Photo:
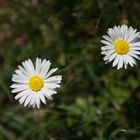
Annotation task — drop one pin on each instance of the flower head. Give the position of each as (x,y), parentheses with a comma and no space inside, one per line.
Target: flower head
(121,46)
(34,83)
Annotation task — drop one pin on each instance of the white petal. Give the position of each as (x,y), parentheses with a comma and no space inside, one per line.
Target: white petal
(130,60)
(23,98)
(26,67)
(135,52)
(31,66)
(106,48)
(51,85)
(32,102)
(51,72)
(23,81)
(20,74)
(28,99)
(116,60)
(22,93)
(125,33)
(106,42)
(25,72)
(45,68)
(108,38)
(132,36)
(136,44)
(120,63)
(42,98)
(129,33)
(54,79)
(19,86)
(38,65)
(117,32)
(134,55)
(112,34)
(48,93)
(135,48)
(112,57)
(125,61)
(109,52)
(19,89)
(38,100)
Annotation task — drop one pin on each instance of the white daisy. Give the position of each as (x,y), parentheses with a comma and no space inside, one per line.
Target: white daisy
(122,46)
(34,83)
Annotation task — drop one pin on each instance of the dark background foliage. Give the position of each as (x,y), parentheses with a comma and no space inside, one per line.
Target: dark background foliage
(95,101)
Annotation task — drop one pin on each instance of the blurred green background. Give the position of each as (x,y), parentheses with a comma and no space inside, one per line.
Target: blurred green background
(95,101)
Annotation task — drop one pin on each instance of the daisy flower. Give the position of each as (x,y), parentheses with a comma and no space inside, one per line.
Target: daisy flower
(122,46)
(34,83)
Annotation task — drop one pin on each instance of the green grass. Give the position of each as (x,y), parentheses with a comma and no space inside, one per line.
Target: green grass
(95,101)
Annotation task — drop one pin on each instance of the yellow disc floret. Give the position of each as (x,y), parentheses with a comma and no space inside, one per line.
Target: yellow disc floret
(121,47)
(36,83)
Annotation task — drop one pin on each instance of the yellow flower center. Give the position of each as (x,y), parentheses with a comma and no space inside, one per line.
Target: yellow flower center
(121,47)
(36,83)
